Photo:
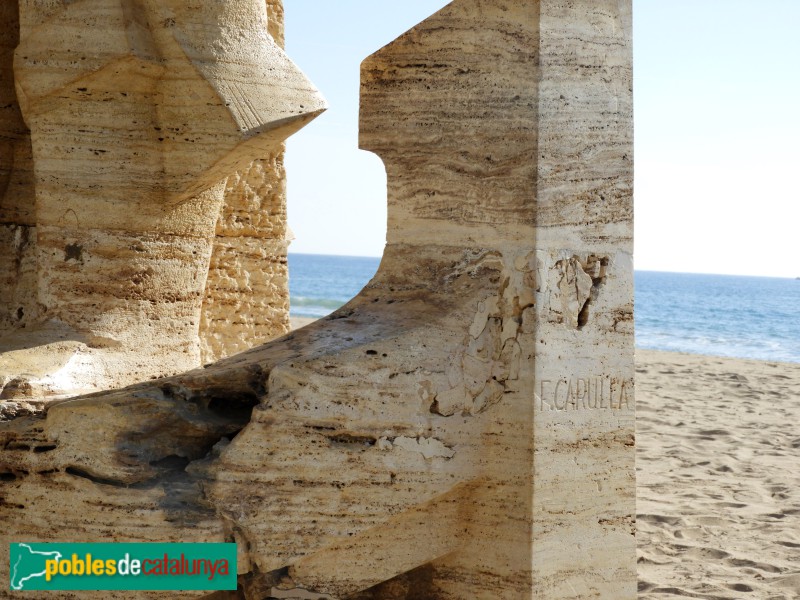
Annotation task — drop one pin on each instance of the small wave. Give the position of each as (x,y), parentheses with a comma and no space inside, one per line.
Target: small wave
(311,313)
(738,346)
(313,307)
(326,303)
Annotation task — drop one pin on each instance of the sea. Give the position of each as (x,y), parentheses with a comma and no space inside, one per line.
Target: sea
(720,315)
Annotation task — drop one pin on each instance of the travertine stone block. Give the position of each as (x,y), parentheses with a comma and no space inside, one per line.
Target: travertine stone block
(17,236)
(247,292)
(464,427)
(139,111)
(246,299)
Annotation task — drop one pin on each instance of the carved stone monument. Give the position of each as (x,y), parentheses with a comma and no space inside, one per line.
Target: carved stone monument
(464,427)
(139,111)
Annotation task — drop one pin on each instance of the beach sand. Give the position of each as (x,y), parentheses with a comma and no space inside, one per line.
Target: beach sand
(718,467)
(718,477)
(298,322)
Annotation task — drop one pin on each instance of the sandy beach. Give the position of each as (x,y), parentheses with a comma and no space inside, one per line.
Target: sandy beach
(298,322)
(718,465)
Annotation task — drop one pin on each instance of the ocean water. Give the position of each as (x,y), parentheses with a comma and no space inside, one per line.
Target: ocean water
(723,315)
(744,317)
(319,284)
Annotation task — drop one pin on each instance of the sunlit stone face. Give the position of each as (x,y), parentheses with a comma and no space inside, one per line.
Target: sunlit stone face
(177,94)
(138,112)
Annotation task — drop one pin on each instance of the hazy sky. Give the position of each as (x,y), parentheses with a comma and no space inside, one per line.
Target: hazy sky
(717,101)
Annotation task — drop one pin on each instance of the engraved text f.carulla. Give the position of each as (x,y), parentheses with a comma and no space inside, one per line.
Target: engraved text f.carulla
(584,393)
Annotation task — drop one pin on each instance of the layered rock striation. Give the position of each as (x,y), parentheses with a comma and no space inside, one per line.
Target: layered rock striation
(464,427)
(144,119)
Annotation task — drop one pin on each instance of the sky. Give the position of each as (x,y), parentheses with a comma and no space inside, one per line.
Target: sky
(717,122)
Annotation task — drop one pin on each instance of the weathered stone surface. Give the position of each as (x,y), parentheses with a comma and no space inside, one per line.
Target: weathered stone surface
(247,293)
(464,428)
(139,111)
(17,236)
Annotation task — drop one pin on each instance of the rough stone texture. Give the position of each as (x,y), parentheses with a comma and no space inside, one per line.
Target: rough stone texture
(464,428)
(247,293)
(138,113)
(17,238)
(275,17)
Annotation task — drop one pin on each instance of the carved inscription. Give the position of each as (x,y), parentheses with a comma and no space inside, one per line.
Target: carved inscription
(602,392)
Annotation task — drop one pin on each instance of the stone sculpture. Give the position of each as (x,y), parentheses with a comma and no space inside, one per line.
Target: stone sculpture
(139,111)
(464,427)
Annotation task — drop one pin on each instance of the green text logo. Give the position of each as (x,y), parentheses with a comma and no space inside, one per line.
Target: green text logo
(122,567)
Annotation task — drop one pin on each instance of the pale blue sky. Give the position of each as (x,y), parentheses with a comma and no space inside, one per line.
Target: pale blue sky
(717,100)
